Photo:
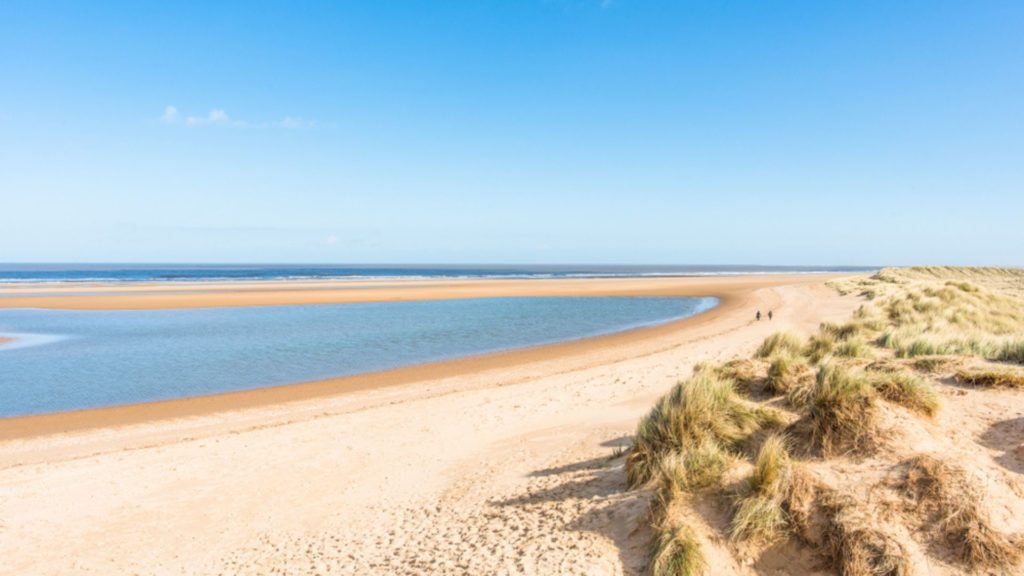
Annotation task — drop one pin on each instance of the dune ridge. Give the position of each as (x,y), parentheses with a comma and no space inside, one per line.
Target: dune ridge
(891,443)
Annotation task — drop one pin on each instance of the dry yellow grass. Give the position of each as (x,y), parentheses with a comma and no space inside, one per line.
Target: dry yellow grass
(841,411)
(918,324)
(947,491)
(906,389)
(744,371)
(936,364)
(787,372)
(952,317)
(991,378)
(677,553)
(780,342)
(700,410)
(858,547)
(760,512)
(693,468)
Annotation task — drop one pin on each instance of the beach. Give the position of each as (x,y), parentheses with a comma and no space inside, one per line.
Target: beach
(500,463)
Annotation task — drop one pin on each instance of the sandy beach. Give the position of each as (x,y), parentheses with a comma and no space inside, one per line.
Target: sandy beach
(497,464)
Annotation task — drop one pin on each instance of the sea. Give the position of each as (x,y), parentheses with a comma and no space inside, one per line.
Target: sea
(14,273)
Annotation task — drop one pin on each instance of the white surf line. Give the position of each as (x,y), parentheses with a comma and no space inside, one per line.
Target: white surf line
(26,340)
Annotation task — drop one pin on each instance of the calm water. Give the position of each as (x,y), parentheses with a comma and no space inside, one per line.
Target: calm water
(67,360)
(208,272)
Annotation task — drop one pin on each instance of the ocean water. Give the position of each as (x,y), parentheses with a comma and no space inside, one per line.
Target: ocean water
(67,360)
(12,273)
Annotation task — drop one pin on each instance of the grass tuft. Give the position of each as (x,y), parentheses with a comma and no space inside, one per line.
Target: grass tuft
(758,517)
(840,331)
(998,378)
(935,364)
(841,411)
(785,373)
(962,522)
(780,342)
(908,390)
(859,548)
(696,467)
(853,349)
(1011,352)
(819,346)
(743,371)
(771,465)
(760,513)
(677,553)
(704,408)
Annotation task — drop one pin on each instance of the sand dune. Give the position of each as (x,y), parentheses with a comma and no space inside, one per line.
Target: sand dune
(493,465)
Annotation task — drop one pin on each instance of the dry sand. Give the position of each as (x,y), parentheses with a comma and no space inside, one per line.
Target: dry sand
(491,465)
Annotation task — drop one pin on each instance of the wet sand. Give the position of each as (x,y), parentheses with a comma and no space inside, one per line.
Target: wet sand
(489,464)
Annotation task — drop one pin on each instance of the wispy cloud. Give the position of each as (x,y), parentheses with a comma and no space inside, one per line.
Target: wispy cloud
(215,116)
(170,115)
(294,123)
(218,117)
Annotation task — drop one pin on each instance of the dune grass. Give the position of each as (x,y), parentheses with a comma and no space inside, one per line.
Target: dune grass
(962,522)
(991,378)
(693,468)
(677,553)
(935,364)
(854,348)
(841,411)
(1011,352)
(743,371)
(705,408)
(954,317)
(906,389)
(786,372)
(780,342)
(819,346)
(920,323)
(840,331)
(858,547)
(760,512)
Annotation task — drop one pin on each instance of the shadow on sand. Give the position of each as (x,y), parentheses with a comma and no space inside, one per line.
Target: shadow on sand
(593,497)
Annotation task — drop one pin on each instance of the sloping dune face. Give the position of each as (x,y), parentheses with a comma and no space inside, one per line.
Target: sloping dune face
(879,445)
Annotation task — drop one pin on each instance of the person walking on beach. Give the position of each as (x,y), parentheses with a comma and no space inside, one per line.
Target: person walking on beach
(758,315)
(769,315)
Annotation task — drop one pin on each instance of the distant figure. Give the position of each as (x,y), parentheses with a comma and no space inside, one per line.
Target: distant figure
(769,315)
(758,315)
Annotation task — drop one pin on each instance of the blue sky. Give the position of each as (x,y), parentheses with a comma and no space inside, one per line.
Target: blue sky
(544,131)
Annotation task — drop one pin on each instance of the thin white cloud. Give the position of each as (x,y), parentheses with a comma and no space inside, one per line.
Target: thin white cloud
(294,123)
(218,117)
(170,115)
(215,116)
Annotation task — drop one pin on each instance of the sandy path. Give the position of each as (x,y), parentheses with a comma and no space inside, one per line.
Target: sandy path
(502,470)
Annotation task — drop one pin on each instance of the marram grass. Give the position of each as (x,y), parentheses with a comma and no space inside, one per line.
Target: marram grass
(677,553)
(780,342)
(704,408)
